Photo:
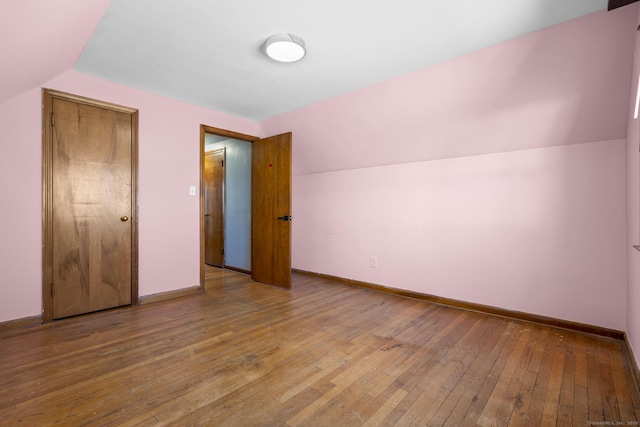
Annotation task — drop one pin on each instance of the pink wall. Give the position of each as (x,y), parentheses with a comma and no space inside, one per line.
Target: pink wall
(633,211)
(169,162)
(566,84)
(540,231)
(20,209)
(41,39)
(528,213)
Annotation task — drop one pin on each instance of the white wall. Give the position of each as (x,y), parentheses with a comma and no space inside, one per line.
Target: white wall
(237,201)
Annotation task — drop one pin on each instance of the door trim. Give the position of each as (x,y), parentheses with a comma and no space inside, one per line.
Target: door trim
(47,192)
(204,129)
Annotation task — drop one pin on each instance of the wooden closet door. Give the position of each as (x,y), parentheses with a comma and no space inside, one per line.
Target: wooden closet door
(91,208)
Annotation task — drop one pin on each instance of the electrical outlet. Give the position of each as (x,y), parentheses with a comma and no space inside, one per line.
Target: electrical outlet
(373,262)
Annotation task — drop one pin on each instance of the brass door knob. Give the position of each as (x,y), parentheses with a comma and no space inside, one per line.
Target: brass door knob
(124,218)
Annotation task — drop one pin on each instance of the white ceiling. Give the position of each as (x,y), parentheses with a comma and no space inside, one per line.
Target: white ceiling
(209,52)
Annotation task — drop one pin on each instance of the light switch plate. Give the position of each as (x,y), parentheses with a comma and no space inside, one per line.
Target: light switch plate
(192,190)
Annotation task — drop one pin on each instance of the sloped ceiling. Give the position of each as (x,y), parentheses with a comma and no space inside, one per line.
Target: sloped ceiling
(41,39)
(209,52)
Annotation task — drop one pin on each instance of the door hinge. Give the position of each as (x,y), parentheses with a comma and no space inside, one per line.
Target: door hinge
(222,251)
(53,119)
(222,163)
(52,290)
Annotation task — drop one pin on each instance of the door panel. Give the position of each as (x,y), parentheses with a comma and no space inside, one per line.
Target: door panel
(91,208)
(271,199)
(214,208)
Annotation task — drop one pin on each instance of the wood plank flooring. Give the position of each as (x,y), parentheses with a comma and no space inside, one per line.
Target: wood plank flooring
(320,354)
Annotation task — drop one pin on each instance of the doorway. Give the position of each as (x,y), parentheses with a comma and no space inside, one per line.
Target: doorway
(227,199)
(265,237)
(89,186)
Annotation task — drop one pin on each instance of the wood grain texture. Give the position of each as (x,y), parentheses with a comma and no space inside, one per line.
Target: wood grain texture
(228,133)
(282,231)
(91,193)
(134,207)
(632,360)
(214,208)
(497,311)
(322,353)
(163,296)
(24,322)
(263,218)
(89,183)
(270,199)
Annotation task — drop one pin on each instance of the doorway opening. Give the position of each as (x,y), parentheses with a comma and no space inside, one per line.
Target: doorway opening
(225,228)
(227,200)
(256,227)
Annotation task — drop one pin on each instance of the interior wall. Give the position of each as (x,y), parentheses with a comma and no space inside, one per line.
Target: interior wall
(21,207)
(558,86)
(41,40)
(567,84)
(237,201)
(633,209)
(539,231)
(505,184)
(169,224)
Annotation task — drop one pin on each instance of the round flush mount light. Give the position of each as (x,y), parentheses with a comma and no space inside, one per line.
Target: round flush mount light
(285,47)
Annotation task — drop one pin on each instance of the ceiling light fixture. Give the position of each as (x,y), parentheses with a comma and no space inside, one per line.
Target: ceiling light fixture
(285,47)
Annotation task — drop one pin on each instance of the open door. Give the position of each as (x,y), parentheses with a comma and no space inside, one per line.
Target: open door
(271,211)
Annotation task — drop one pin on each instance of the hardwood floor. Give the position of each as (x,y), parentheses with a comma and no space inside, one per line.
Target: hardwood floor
(320,354)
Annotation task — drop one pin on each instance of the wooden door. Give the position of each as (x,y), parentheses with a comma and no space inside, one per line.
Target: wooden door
(271,210)
(90,235)
(214,208)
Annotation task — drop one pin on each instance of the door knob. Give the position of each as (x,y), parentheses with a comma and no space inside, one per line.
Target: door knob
(286,218)
(124,218)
